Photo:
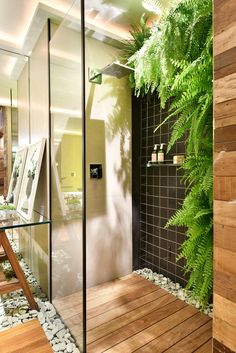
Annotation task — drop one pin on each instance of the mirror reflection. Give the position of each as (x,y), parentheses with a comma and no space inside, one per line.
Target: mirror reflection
(13,86)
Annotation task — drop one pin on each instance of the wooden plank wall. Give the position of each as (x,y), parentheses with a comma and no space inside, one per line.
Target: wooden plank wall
(224,327)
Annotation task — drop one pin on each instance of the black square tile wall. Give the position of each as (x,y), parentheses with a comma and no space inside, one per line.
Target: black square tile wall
(161,194)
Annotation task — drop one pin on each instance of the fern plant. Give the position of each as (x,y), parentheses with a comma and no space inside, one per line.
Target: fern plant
(139,34)
(176,62)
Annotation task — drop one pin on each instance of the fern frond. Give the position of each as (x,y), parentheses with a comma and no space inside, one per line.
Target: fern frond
(176,62)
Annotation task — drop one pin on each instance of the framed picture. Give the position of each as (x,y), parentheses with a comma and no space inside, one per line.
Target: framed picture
(30,179)
(16,176)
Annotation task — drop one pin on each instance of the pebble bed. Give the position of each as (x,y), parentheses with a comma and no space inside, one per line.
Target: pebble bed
(14,309)
(174,288)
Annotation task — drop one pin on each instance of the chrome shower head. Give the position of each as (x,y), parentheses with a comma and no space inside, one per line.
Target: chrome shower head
(116,69)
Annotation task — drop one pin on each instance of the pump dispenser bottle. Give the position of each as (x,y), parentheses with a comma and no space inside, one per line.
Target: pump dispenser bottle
(154,154)
(161,154)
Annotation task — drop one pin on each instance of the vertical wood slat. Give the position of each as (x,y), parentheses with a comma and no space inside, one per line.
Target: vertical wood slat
(224,326)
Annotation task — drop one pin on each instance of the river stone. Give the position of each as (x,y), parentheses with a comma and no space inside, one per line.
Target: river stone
(24,316)
(69,347)
(173,288)
(5,324)
(61,333)
(41,318)
(56,347)
(51,313)
(75,350)
(62,346)
(49,335)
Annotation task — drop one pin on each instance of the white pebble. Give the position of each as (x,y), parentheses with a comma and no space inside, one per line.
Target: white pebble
(61,333)
(70,347)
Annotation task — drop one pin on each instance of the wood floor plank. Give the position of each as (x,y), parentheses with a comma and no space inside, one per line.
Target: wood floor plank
(110,286)
(194,340)
(135,327)
(134,315)
(205,348)
(135,342)
(74,307)
(173,336)
(27,337)
(123,309)
(104,287)
(112,304)
(125,319)
(73,303)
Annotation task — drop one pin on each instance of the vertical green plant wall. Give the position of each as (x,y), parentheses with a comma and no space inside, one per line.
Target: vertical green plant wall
(176,62)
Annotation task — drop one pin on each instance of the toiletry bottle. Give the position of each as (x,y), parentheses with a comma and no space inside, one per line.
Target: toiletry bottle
(154,154)
(161,154)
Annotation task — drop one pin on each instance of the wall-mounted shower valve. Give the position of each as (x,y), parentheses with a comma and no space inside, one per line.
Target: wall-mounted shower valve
(95,171)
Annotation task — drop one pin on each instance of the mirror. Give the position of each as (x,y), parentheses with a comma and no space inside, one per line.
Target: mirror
(14,111)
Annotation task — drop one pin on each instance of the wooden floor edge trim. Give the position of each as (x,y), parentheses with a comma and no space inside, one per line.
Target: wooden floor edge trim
(145,327)
(151,301)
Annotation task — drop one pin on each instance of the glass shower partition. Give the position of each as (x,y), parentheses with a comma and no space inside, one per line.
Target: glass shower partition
(89,94)
(67,172)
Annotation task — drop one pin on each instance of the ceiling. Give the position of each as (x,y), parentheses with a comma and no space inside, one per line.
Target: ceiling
(19,18)
(21,22)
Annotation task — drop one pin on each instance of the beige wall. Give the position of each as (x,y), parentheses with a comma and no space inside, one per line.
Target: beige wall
(71,163)
(109,214)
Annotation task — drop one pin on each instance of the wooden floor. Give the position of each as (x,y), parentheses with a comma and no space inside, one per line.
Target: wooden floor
(25,338)
(133,315)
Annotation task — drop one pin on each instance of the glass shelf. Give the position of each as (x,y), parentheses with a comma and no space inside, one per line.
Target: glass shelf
(166,163)
(12,219)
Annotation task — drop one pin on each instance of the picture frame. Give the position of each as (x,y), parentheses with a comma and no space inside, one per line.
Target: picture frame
(17,175)
(30,179)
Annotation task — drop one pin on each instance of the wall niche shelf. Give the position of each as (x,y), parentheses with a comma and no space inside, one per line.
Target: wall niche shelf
(166,163)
